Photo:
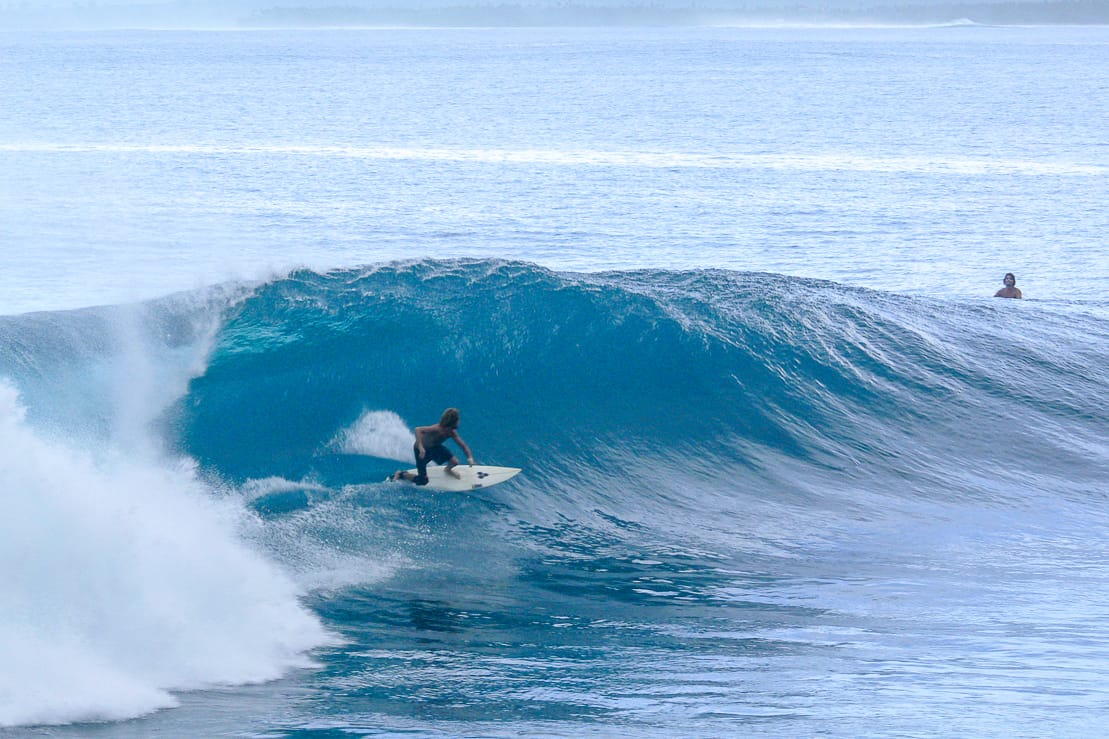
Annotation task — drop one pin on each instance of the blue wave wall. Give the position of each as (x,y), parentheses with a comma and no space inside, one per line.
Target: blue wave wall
(784,382)
(593,374)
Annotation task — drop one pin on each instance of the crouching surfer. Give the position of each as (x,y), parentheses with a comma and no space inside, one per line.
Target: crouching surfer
(429,448)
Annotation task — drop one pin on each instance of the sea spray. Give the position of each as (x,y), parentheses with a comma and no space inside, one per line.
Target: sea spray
(122,579)
(123,575)
(378,434)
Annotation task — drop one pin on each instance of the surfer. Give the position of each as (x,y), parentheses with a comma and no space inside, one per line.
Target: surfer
(429,448)
(1010,290)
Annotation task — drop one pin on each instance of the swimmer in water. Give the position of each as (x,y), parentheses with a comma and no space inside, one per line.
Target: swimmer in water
(1010,290)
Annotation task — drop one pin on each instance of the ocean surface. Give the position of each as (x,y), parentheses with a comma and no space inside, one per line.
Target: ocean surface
(723,293)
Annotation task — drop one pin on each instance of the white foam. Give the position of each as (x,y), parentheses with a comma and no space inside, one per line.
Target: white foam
(329,546)
(819,162)
(378,434)
(122,578)
(259,488)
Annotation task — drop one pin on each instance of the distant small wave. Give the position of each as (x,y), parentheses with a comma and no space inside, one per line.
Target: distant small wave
(822,162)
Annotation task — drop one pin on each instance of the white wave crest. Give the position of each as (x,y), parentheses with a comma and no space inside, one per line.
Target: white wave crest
(122,579)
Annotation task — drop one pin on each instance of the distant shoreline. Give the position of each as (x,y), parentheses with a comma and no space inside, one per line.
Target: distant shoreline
(188,16)
(1057,12)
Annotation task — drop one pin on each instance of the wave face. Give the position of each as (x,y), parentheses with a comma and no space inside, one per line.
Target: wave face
(675,429)
(600,375)
(752,416)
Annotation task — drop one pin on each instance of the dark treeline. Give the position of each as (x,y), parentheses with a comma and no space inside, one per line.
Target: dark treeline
(205,13)
(1058,12)
(478,15)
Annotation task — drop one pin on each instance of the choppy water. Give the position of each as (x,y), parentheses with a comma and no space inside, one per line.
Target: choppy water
(724,295)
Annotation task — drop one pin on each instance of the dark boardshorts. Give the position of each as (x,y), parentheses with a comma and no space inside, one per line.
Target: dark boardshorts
(438,454)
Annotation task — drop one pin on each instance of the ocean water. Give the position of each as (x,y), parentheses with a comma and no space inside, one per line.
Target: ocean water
(723,293)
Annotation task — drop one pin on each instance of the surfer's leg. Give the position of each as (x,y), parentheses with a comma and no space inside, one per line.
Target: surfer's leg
(450,468)
(421,467)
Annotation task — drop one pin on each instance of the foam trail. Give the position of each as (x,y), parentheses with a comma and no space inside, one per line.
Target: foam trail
(122,579)
(378,434)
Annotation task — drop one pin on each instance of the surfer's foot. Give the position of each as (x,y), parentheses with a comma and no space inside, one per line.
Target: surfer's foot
(452,473)
(400,475)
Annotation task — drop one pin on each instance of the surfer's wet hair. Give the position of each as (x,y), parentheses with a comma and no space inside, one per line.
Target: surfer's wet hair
(449,419)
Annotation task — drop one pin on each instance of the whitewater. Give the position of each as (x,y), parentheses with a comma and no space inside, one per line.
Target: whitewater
(724,294)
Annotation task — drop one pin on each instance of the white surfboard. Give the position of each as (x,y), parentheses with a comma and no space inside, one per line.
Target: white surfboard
(472,478)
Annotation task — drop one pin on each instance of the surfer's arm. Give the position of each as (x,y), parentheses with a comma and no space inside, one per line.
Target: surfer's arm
(458,439)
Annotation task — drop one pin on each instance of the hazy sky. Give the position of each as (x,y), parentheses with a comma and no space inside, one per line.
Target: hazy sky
(77,14)
(12,5)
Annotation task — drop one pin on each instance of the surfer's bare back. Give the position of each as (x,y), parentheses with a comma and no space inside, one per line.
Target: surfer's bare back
(429,447)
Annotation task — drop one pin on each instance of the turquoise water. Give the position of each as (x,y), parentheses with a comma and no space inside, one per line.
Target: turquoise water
(722,293)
